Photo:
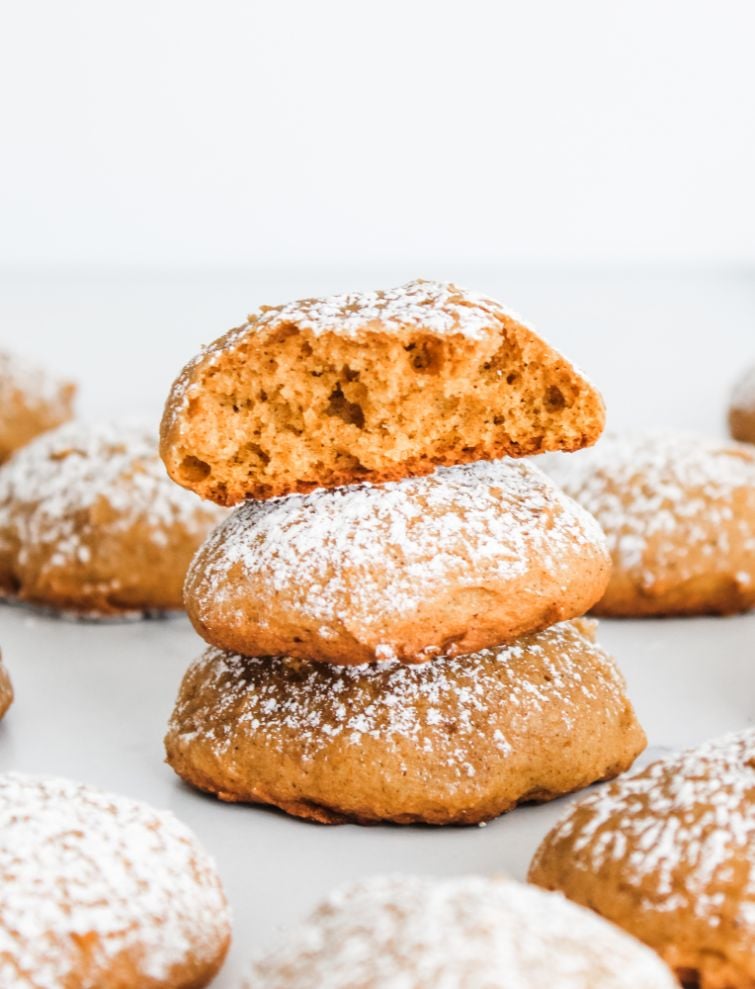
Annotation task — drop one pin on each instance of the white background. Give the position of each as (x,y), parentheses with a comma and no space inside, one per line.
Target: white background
(216,132)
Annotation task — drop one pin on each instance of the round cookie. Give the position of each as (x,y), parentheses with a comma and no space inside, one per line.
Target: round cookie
(369,386)
(6,689)
(668,853)
(742,408)
(454,740)
(419,933)
(91,524)
(679,514)
(463,559)
(31,402)
(101,891)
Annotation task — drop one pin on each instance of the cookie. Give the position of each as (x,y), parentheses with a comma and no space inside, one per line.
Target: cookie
(679,514)
(460,560)
(6,689)
(91,524)
(101,891)
(31,402)
(668,853)
(468,931)
(742,408)
(454,740)
(369,386)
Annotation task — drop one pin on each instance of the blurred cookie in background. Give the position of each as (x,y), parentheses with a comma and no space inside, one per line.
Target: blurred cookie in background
(31,401)
(679,514)
(6,688)
(91,524)
(742,408)
(468,931)
(668,853)
(103,891)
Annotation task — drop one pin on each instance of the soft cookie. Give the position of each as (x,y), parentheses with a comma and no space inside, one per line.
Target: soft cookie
(91,524)
(369,386)
(742,408)
(454,740)
(669,854)
(679,514)
(101,891)
(6,689)
(460,560)
(468,931)
(31,402)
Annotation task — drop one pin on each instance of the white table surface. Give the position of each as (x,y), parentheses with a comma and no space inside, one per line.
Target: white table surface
(93,700)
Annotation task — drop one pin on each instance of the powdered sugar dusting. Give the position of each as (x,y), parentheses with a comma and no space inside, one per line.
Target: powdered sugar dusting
(414,933)
(86,872)
(273,698)
(467,526)
(435,307)
(54,491)
(677,491)
(743,395)
(680,832)
(38,386)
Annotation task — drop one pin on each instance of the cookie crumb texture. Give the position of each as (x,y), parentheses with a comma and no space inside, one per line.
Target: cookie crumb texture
(742,408)
(463,559)
(31,402)
(102,892)
(454,740)
(668,853)
(369,386)
(679,514)
(91,524)
(463,932)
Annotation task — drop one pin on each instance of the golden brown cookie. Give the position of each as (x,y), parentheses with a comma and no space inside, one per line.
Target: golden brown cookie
(454,740)
(6,689)
(460,560)
(31,402)
(369,386)
(742,408)
(462,933)
(668,853)
(90,523)
(679,514)
(102,892)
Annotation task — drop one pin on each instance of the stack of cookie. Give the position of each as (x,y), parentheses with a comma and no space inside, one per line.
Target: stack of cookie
(393,609)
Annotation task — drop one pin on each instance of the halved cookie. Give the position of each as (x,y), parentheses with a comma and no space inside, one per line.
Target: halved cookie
(369,386)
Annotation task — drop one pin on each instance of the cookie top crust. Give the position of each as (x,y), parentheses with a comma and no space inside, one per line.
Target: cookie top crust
(67,482)
(336,547)
(91,875)
(467,931)
(440,308)
(674,490)
(674,830)
(394,702)
(38,385)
